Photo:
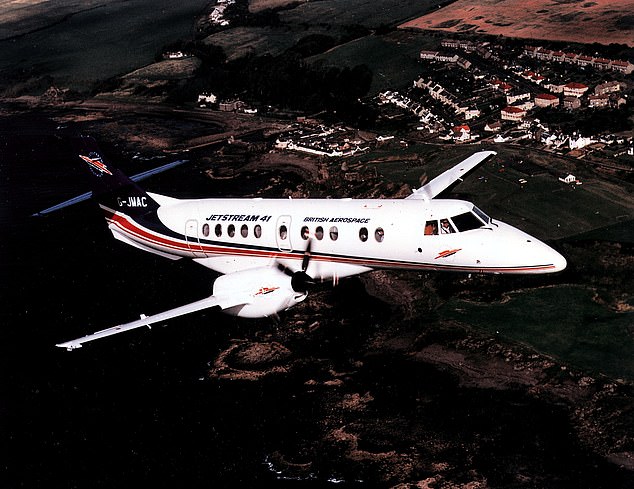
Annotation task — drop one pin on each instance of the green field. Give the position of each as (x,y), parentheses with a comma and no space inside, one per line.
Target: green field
(368,13)
(393,58)
(242,41)
(563,322)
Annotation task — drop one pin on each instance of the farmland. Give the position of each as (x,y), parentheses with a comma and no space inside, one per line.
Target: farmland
(601,21)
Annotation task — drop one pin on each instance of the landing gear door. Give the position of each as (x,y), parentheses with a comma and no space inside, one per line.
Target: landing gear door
(283,233)
(191,236)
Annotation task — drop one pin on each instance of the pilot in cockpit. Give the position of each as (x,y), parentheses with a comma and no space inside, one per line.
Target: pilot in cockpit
(445,227)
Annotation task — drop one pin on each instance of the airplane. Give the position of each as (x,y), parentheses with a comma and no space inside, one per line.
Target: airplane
(270,252)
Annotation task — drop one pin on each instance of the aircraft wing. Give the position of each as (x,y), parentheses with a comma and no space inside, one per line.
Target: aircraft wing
(212,301)
(451,176)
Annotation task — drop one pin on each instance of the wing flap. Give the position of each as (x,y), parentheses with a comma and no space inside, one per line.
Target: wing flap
(449,177)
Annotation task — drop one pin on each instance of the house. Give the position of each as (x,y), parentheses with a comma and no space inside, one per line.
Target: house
(174,55)
(512,114)
(447,58)
(516,96)
(616,100)
(555,87)
(546,100)
(471,114)
(500,85)
(572,103)
(602,63)
(428,54)
(579,142)
(461,133)
(558,56)
(463,63)
(574,89)
(493,126)
(231,105)
(623,66)
(585,61)
(206,98)
(544,54)
(607,87)
(570,178)
(598,100)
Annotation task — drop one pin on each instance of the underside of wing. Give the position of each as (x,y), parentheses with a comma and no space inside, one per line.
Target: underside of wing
(252,293)
(451,176)
(199,305)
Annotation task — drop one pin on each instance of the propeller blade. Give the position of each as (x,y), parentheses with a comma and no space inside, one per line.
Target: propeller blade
(306,258)
(284,269)
(300,280)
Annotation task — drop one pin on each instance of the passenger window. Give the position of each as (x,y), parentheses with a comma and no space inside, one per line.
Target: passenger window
(231,230)
(218,230)
(257,231)
(379,234)
(334,233)
(244,230)
(205,230)
(283,232)
(466,221)
(363,234)
(446,227)
(319,233)
(305,232)
(431,227)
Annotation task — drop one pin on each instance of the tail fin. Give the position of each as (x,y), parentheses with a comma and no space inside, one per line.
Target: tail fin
(111,188)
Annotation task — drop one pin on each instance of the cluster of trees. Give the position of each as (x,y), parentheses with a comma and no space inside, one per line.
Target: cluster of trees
(589,122)
(286,81)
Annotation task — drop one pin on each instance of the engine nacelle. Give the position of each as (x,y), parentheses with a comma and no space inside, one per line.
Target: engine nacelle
(266,291)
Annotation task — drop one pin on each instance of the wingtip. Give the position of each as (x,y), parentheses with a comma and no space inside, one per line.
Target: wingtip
(69,345)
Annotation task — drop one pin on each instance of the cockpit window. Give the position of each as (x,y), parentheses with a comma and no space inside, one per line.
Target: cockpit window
(431,227)
(466,221)
(482,215)
(446,227)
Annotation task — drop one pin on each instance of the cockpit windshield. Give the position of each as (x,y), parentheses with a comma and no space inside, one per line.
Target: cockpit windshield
(459,223)
(482,215)
(466,221)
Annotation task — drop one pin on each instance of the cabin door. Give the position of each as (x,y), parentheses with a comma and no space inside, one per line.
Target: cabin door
(283,233)
(191,236)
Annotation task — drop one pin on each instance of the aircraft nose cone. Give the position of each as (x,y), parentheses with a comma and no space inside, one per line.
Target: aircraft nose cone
(559,261)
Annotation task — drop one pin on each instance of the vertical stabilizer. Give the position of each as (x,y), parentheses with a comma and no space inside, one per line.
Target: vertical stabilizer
(111,188)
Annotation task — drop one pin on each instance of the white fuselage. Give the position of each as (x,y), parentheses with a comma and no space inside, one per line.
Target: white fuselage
(347,236)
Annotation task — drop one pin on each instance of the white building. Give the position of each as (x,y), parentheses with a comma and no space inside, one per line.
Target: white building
(206,98)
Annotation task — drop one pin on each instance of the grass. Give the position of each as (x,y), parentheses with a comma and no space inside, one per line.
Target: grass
(563,322)
(392,58)
(368,13)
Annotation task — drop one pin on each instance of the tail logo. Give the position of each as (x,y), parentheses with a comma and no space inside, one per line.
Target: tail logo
(96,164)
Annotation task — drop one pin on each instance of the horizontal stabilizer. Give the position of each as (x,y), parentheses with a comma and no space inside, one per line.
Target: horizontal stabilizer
(451,176)
(136,178)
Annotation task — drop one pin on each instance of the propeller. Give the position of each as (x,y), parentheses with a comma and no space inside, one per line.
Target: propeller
(300,280)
